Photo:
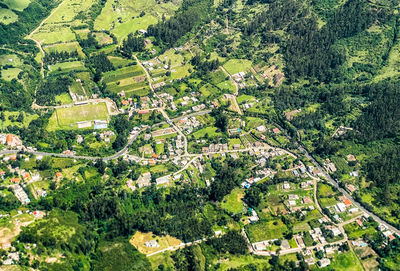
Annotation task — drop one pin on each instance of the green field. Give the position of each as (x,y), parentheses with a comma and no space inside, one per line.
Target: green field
(233,202)
(18,5)
(234,66)
(66,118)
(354,231)
(210,131)
(66,67)
(10,73)
(64,98)
(131,79)
(266,230)
(347,261)
(67,47)
(7,16)
(122,17)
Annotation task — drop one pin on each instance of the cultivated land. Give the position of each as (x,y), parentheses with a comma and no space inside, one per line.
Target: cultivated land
(123,16)
(252,148)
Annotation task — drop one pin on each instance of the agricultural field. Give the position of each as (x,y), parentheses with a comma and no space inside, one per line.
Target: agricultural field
(66,47)
(234,66)
(122,17)
(57,28)
(66,118)
(265,230)
(66,67)
(131,80)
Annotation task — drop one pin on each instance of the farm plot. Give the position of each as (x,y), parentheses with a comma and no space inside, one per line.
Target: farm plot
(130,80)
(67,118)
(66,67)
(234,66)
(66,47)
(266,230)
(122,17)
(57,28)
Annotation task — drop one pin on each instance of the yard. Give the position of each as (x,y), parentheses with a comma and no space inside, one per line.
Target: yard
(266,230)
(233,202)
(210,131)
(347,261)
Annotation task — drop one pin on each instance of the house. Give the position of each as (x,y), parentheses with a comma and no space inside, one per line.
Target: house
(261,128)
(9,140)
(351,158)
(144,180)
(293,197)
(335,231)
(341,207)
(353,210)
(329,250)
(163,180)
(58,175)
(286,186)
(354,173)
(324,262)
(79,139)
(347,202)
(152,243)
(292,203)
(15,180)
(276,131)
(307,200)
(351,188)
(359,222)
(285,244)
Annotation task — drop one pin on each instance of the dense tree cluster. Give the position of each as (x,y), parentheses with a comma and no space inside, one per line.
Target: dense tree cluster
(28,19)
(132,44)
(192,12)
(54,57)
(52,87)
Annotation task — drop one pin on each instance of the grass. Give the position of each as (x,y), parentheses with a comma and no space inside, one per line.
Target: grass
(7,16)
(66,118)
(64,98)
(159,148)
(27,119)
(210,131)
(234,66)
(345,261)
(266,230)
(67,47)
(233,202)
(354,231)
(10,73)
(18,5)
(11,59)
(122,17)
(139,239)
(235,262)
(66,67)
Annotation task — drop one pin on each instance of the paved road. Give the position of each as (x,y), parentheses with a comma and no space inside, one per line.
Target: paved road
(345,193)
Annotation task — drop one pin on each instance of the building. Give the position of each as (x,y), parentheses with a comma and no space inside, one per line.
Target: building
(163,180)
(100,124)
(144,180)
(84,124)
(152,243)
(20,194)
(324,262)
(341,207)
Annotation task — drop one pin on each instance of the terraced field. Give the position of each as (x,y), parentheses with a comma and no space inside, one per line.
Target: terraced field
(130,80)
